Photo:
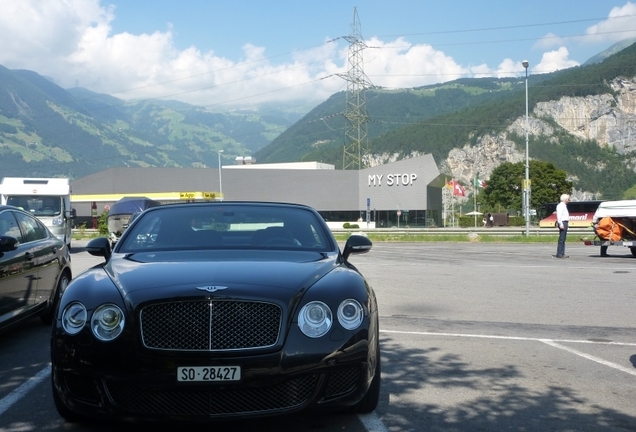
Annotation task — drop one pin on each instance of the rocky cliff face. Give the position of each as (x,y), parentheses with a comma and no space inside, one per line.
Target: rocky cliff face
(608,119)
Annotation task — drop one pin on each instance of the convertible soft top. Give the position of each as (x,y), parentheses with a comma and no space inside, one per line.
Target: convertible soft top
(121,212)
(131,205)
(616,209)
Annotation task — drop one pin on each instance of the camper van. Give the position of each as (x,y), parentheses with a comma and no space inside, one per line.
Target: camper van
(48,199)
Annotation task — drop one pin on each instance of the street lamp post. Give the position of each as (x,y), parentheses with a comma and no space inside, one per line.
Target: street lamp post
(220,176)
(526,186)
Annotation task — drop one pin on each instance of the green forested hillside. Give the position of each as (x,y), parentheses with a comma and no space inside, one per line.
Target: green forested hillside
(441,134)
(437,119)
(454,117)
(48,131)
(320,134)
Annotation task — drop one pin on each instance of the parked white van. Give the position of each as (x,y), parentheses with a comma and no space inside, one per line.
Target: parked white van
(48,199)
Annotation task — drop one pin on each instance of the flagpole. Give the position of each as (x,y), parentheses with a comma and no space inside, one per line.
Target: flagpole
(475,200)
(444,201)
(453,210)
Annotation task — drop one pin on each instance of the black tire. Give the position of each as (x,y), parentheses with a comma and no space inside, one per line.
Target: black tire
(370,400)
(633,251)
(47,315)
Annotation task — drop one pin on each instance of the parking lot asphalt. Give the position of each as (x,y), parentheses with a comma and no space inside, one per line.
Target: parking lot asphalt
(479,336)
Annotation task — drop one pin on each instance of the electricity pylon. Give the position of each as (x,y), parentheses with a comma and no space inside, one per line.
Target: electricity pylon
(356,142)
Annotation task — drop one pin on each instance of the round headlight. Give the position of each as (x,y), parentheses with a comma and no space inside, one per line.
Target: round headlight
(74,318)
(107,322)
(350,314)
(315,319)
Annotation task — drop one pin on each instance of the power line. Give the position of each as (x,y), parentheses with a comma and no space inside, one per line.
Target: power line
(509,27)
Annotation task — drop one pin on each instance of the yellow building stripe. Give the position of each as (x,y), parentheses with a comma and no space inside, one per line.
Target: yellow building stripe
(158,196)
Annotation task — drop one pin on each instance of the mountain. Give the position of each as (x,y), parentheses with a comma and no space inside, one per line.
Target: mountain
(319,135)
(580,118)
(48,131)
(618,46)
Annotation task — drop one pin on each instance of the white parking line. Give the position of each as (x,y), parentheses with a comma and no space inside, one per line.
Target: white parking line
(552,342)
(508,337)
(590,357)
(17,394)
(372,423)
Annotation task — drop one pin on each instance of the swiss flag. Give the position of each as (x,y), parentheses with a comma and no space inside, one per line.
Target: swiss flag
(458,190)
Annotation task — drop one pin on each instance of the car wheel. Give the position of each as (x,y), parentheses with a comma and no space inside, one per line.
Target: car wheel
(62,410)
(47,315)
(633,251)
(370,400)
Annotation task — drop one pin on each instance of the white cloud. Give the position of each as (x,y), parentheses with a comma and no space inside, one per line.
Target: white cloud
(554,60)
(508,68)
(72,41)
(77,47)
(399,64)
(34,33)
(551,40)
(620,24)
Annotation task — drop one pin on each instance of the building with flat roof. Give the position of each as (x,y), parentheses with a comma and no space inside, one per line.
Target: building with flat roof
(406,192)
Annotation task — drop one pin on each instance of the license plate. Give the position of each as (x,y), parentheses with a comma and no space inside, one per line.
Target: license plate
(208,373)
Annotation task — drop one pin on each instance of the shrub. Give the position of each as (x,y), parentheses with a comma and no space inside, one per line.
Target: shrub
(516,221)
(102,224)
(469,221)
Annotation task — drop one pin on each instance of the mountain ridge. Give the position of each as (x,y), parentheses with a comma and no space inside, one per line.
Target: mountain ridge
(48,131)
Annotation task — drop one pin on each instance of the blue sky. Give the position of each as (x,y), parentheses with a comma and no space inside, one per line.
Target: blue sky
(227,54)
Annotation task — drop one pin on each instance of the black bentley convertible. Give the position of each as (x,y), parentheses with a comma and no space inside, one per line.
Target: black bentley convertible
(216,311)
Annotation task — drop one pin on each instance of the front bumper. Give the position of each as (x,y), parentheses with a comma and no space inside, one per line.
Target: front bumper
(101,381)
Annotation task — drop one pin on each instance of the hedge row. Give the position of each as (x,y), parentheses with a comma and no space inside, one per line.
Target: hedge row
(469,221)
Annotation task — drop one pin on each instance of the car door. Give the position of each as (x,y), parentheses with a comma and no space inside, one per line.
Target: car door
(18,274)
(44,252)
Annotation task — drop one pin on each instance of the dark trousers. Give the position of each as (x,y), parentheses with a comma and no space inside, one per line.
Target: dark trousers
(562,235)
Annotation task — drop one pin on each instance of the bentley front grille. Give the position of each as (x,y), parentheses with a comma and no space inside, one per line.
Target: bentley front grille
(208,401)
(342,381)
(214,325)
(81,387)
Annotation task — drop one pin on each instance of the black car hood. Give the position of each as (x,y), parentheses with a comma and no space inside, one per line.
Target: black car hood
(280,274)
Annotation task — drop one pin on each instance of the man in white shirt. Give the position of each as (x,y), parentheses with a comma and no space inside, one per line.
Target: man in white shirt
(563,218)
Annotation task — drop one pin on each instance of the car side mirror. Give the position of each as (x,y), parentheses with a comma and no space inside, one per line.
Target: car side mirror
(356,244)
(8,243)
(99,247)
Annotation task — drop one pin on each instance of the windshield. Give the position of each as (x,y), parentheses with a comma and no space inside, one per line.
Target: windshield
(227,226)
(37,205)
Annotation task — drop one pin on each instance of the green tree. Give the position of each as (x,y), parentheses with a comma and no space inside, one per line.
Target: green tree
(505,186)
(630,193)
(102,223)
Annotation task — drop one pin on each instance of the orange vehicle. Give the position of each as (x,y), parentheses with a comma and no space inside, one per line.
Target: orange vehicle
(581,214)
